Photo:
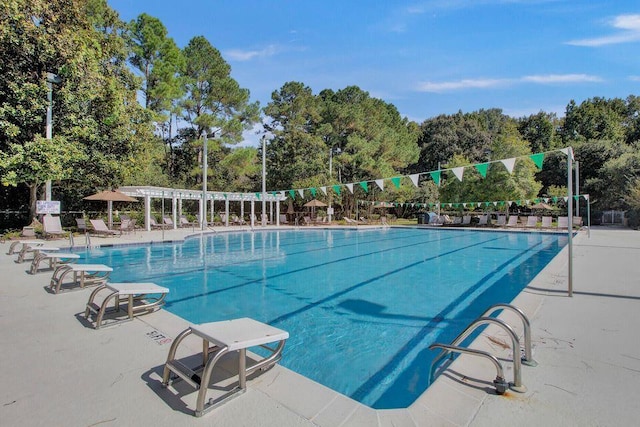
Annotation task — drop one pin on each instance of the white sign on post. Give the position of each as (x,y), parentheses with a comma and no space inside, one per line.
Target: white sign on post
(44,207)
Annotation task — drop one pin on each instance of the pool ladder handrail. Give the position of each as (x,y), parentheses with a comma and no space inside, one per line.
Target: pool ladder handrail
(515,343)
(500,383)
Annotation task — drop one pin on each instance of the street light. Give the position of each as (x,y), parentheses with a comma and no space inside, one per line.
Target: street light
(51,79)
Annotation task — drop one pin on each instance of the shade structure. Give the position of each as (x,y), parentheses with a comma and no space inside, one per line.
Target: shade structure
(315,203)
(542,206)
(111,196)
(382,205)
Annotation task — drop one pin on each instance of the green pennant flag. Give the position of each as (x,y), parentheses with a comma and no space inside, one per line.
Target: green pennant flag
(537,159)
(456,205)
(486,204)
(292,193)
(430,205)
(365,186)
(576,197)
(536,200)
(258,196)
(336,188)
(519,202)
(501,203)
(555,199)
(435,176)
(225,195)
(273,193)
(482,168)
(396,181)
(313,191)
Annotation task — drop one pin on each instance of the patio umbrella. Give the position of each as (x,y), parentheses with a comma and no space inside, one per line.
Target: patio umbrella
(313,204)
(111,196)
(542,206)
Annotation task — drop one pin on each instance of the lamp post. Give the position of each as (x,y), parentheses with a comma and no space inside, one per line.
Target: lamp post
(51,79)
(264,180)
(203,219)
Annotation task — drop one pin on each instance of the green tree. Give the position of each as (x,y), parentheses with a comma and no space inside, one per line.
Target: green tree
(215,104)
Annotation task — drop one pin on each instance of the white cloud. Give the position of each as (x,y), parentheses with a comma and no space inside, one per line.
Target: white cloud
(439,87)
(247,55)
(561,78)
(634,78)
(461,84)
(630,32)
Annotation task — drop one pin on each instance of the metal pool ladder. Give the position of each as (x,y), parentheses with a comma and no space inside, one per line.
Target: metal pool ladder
(500,383)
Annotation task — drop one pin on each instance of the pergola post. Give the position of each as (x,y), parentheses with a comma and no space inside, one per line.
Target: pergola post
(278,213)
(174,210)
(253,213)
(147,212)
(226,212)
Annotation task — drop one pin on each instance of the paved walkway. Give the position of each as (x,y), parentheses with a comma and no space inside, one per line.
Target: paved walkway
(57,371)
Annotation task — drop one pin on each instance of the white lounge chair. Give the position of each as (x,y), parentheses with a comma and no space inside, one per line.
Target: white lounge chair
(127,225)
(350,221)
(154,224)
(466,220)
(546,221)
(226,336)
(100,228)
(52,227)
(532,221)
(184,222)
(83,275)
(54,258)
(265,219)
(502,220)
(563,222)
(168,222)
(513,221)
(140,298)
(484,219)
(283,219)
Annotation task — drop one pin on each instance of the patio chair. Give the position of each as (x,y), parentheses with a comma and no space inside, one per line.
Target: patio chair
(236,220)
(140,298)
(502,221)
(577,221)
(52,227)
(154,224)
(168,222)
(83,275)
(563,222)
(184,222)
(364,220)
(127,225)
(350,221)
(484,220)
(81,223)
(101,229)
(220,338)
(513,221)
(466,220)
(546,222)
(306,220)
(283,219)
(532,221)
(265,218)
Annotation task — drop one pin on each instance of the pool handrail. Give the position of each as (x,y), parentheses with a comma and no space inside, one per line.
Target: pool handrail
(515,345)
(528,357)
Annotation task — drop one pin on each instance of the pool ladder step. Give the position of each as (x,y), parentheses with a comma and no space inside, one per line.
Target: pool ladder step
(500,383)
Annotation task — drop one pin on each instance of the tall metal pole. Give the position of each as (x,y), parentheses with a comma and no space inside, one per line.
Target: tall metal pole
(264,181)
(51,79)
(578,188)
(204,183)
(570,218)
(330,209)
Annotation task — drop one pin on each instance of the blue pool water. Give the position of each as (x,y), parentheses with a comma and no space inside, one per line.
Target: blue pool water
(361,306)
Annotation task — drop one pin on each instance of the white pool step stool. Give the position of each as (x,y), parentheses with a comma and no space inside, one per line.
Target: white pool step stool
(83,275)
(139,298)
(55,259)
(225,336)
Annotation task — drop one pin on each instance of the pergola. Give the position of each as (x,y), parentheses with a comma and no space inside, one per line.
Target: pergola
(177,195)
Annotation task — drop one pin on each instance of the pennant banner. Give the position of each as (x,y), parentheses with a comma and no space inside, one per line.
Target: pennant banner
(380,183)
(458,172)
(324,190)
(365,186)
(336,188)
(396,181)
(414,178)
(435,176)
(538,159)
(509,164)
(313,192)
(301,192)
(482,168)
(350,187)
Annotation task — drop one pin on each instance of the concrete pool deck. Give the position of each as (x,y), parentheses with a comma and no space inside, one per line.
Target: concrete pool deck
(58,371)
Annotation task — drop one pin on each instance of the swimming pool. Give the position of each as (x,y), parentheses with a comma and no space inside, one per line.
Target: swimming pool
(361,306)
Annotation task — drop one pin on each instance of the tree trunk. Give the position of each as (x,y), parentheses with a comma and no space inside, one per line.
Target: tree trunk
(33,197)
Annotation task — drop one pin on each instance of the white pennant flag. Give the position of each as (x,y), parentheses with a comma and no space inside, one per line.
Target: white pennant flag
(458,172)
(350,187)
(509,163)
(527,201)
(301,192)
(565,199)
(546,200)
(380,183)
(479,204)
(495,203)
(464,205)
(324,190)
(586,197)
(450,205)
(414,178)
(509,202)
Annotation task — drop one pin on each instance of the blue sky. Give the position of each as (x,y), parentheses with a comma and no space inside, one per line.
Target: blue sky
(425,57)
